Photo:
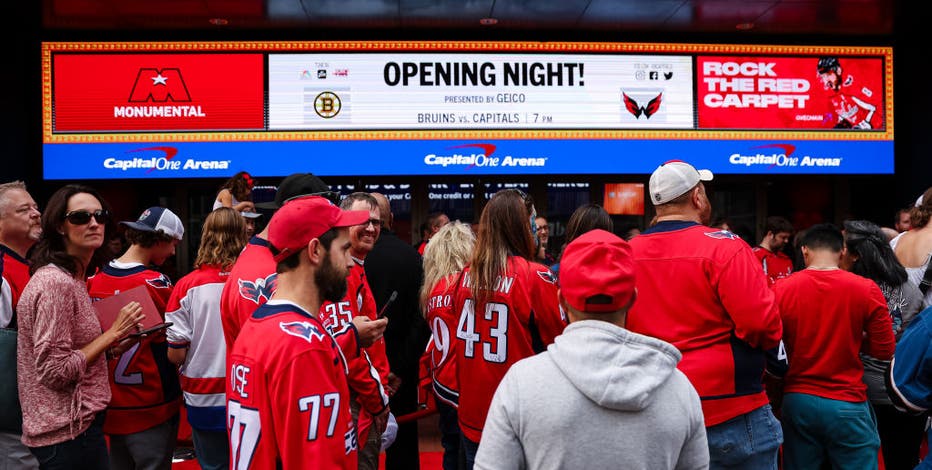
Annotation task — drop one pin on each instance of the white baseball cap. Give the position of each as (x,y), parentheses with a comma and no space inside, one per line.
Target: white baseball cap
(674,178)
(251,215)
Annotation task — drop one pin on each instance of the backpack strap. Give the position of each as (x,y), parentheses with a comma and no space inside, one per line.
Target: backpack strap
(926,279)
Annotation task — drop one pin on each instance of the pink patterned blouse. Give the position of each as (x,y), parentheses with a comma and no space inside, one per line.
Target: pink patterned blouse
(59,391)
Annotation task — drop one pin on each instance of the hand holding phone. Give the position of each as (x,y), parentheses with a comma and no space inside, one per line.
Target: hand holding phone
(150,330)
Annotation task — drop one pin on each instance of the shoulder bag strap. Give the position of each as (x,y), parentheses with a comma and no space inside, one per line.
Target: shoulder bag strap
(926,279)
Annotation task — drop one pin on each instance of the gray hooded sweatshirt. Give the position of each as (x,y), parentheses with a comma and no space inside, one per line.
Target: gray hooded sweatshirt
(600,397)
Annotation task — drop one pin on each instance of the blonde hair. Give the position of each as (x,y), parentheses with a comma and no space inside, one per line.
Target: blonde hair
(222,239)
(447,253)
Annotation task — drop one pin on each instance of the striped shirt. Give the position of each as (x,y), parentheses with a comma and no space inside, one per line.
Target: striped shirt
(194,310)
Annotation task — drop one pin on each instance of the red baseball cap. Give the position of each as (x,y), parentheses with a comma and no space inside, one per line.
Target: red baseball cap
(597,273)
(303,219)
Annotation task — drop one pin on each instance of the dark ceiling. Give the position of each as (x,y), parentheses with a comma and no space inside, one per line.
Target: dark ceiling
(862,18)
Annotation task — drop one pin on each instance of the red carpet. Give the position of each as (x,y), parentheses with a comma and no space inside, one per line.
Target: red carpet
(429,461)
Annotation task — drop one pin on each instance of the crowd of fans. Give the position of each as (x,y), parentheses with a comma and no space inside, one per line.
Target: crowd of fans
(319,341)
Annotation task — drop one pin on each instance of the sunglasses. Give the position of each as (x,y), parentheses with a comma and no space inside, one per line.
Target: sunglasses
(519,192)
(528,203)
(376,223)
(83,217)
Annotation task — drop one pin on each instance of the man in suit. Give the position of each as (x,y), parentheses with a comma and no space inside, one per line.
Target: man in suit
(391,266)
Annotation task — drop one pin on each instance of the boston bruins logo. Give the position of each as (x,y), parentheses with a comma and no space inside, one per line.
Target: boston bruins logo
(327,104)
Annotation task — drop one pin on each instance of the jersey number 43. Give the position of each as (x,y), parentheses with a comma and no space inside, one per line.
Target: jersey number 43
(494,348)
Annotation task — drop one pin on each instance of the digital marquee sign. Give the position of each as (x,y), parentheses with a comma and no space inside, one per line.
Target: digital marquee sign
(209,109)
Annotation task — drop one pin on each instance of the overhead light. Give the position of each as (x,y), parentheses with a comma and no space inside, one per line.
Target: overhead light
(744,26)
(219,21)
(488,21)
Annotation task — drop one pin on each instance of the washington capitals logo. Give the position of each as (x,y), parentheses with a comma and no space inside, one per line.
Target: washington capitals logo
(637,110)
(302,329)
(547,276)
(254,291)
(161,282)
(722,235)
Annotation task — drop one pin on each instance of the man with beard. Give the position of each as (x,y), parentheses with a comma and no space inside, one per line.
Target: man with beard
(19,231)
(853,94)
(252,279)
(368,374)
(902,221)
(769,253)
(287,393)
(702,290)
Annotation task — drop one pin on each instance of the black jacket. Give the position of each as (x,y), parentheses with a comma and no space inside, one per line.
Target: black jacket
(394,265)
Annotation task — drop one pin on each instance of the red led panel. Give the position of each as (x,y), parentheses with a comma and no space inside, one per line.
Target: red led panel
(157,92)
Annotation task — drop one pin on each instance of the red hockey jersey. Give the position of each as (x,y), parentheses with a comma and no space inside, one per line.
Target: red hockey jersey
(858,103)
(702,290)
(775,265)
(14,271)
(443,347)
(368,373)
(521,317)
(251,284)
(143,383)
(287,395)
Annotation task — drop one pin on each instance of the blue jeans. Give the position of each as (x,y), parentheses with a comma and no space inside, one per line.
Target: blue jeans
(471,448)
(453,455)
(86,451)
(212,449)
(822,430)
(749,441)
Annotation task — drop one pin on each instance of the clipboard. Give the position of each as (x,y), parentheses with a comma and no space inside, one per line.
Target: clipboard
(108,309)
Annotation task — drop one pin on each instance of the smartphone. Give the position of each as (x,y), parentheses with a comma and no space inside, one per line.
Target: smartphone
(387,303)
(150,330)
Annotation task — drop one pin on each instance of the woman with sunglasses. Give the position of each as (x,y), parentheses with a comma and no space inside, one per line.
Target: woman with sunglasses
(62,369)
(506,306)
(236,192)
